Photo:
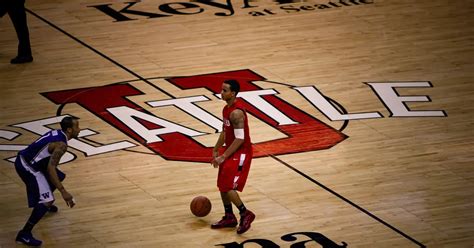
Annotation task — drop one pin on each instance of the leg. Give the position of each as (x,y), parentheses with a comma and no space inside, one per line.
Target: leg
(3,8)
(234,197)
(38,212)
(232,177)
(227,202)
(24,235)
(40,197)
(53,208)
(18,16)
(226,181)
(246,216)
(225,198)
(228,220)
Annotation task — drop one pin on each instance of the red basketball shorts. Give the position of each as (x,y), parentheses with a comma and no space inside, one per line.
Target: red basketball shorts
(233,172)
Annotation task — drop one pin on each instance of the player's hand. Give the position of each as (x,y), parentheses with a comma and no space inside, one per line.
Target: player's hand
(214,163)
(217,161)
(68,198)
(215,154)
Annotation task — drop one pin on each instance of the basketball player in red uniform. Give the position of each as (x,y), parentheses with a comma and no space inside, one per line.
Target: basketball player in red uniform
(234,163)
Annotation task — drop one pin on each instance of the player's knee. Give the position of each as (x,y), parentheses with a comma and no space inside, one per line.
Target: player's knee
(49,203)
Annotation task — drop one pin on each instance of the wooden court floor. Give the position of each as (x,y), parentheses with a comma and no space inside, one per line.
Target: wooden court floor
(361,114)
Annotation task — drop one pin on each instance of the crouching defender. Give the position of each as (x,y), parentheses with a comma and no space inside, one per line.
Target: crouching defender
(36,165)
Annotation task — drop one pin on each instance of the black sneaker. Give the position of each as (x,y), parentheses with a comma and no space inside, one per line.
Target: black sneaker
(27,239)
(21,59)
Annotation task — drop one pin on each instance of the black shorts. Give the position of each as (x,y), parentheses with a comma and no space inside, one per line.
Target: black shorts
(39,189)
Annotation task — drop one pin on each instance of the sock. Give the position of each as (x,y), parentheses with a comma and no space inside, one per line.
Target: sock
(242,208)
(228,209)
(38,212)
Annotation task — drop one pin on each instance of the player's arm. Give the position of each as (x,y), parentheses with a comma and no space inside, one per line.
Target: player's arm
(57,151)
(237,118)
(215,152)
(219,144)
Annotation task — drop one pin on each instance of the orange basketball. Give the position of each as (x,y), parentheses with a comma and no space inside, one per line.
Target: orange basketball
(200,206)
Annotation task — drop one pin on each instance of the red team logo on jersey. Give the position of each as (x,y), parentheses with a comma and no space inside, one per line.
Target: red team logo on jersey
(173,141)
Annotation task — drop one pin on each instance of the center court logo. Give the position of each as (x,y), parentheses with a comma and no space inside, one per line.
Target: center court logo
(175,141)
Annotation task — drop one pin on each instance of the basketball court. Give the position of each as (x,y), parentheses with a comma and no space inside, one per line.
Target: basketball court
(360,112)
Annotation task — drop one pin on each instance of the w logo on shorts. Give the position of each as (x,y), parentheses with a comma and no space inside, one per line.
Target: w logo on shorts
(45,195)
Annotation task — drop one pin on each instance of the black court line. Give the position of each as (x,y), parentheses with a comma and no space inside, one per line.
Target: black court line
(97,52)
(347,201)
(270,155)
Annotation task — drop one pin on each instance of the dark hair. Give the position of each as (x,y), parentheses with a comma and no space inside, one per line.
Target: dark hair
(67,122)
(234,85)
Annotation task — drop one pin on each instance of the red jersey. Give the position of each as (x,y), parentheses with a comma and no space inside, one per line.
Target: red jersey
(246,147)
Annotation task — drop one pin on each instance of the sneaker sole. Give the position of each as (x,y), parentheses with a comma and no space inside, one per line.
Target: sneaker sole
(219,227)
(23,243)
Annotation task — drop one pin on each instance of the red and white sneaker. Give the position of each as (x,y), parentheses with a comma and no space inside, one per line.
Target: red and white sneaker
(246,218)
(228,220)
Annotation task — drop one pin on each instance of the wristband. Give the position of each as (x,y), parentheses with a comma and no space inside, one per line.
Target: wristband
(239,133)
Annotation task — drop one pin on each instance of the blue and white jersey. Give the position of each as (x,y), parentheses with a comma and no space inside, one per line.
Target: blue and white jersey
(37,155)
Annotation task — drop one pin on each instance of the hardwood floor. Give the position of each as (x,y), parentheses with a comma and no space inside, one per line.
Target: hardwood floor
(383,180)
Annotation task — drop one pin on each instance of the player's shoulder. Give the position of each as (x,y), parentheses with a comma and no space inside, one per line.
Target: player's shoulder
(58,145)
(57,136)
(240,104)
(237,113)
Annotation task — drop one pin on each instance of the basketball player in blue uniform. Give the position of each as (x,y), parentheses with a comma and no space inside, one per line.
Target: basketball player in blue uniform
(36,165)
